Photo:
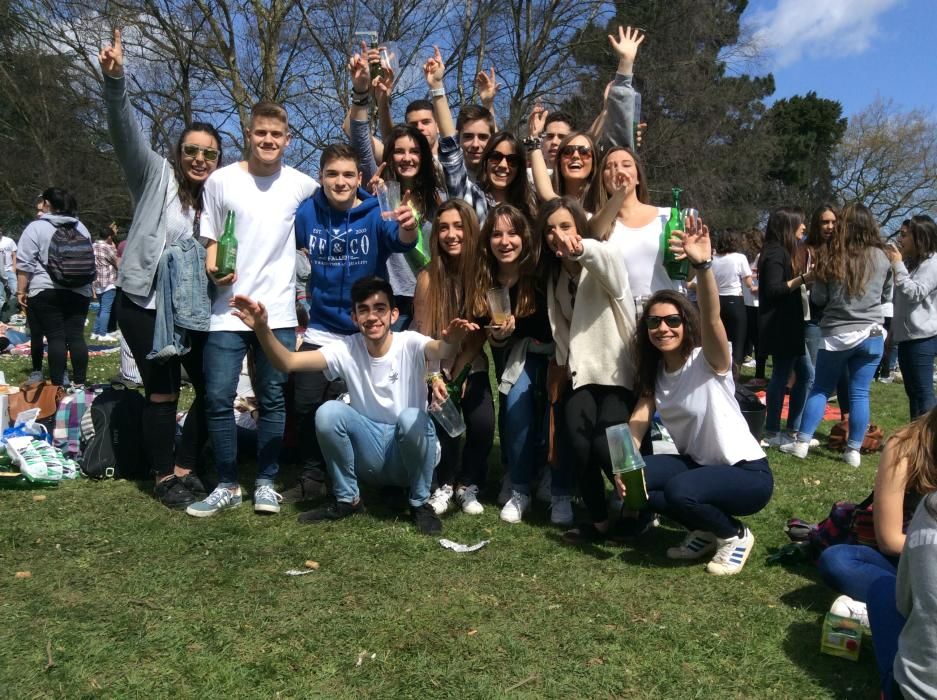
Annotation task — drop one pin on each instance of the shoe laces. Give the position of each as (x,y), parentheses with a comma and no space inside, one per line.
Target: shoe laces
(219,496)
(265,492)
(470,493)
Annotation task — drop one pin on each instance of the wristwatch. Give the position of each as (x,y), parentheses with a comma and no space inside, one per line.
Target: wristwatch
(532,143)
(704,265)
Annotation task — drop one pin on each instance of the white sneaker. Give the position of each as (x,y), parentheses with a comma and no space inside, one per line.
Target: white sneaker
(731,555)
(93,336)
(107,338)
(561,510)
(440,499)
(776,440)
(797,448)
(852,457)
(507,488)
(696,545)
(544,487)
(514,509)
(467,496)
(814,443)
(844,606)
(750,363)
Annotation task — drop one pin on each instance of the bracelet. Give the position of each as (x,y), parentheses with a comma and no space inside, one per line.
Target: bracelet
(533,143)
(432,377)
(361,101)
(363,92)
(704,265)
(437,92)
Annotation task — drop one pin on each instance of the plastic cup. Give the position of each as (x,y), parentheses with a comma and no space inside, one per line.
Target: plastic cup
(448,416)
(621,449)
(388,195)
(499,302)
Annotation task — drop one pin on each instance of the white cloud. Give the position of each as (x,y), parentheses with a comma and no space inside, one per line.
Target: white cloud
(816,28)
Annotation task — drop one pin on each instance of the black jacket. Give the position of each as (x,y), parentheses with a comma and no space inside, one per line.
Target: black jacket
(780,310)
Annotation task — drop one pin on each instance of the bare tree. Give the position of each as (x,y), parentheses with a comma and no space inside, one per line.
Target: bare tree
(888,161)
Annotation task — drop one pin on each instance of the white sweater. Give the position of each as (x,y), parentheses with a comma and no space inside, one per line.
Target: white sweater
(595,344)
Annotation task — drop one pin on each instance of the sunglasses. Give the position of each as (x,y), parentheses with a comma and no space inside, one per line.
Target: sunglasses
(190,150)
(496,157)
(672,321)
(583,151)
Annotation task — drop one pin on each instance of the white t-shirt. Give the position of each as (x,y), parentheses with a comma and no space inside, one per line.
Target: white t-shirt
(264,210)
(699,410)
(380,388)
(643,257)
(729,270)
(7,252)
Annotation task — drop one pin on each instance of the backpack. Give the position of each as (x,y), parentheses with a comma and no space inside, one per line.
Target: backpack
(116,448)
(71,257)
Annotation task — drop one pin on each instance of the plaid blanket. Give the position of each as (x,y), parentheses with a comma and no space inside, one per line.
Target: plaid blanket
(66,435)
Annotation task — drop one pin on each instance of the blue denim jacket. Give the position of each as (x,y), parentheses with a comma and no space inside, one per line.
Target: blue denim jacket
(182,299)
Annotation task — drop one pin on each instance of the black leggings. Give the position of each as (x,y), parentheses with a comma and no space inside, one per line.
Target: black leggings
(587,412)
(311,390)
(734,318)
(59,315)
(137,326)
(478,409)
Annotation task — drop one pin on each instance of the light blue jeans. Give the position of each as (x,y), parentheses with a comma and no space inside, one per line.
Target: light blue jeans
(356,447)
(861,361)
(106,301)
(782,365)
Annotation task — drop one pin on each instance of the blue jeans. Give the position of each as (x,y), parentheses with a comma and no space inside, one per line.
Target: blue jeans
(106,301)
(861,361)
(916,359)
(707,496)
(780,371)
(812,337)
(851,568)
(224,354)
(355,446)
(523,417)
(886,623)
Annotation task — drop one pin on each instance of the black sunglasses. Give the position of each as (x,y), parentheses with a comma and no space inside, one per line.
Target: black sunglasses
(583,151)
(672,321)
(192,151)
(496,157)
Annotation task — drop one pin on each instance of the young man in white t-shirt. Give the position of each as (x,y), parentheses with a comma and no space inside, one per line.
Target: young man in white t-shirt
(8,261)
(384,435)
(264,195)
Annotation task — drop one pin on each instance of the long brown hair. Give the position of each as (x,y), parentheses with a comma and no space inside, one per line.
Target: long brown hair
(848,257)
(559,183)
(190,193)
(782,227)
(648,357)
(917,444)
(449,276)
(486,265)
(549,263)
(598,195)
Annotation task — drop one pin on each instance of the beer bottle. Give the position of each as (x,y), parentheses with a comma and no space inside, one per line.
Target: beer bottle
(226,254)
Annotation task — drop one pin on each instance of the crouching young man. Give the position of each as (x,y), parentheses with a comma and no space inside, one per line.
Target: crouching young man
(384,435)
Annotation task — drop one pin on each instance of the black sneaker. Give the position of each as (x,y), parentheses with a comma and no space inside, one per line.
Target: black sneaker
(626,528)
(586,533)
(425,520)
(195,486)
(336,510)
(308,489)
(173,494)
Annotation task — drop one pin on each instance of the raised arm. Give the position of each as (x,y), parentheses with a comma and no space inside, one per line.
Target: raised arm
(446,347)
(254,316)
(617,127)
(924,281)
(435,70)
(695,245)
(538,166)
(487,87)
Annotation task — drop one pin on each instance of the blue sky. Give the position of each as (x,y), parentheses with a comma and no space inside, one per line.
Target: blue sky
(849,50)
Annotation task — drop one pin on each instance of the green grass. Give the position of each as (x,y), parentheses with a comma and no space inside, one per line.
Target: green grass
(131,600)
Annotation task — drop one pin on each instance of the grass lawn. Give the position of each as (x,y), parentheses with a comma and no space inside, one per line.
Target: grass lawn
(127,600)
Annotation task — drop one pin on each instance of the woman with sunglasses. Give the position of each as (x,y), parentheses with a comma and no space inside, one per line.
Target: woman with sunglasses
(521,347)
(914,325)
(592,317)
(684,371)
(574,171)
(502,178)
(408,160)
(168,197)
(441,294)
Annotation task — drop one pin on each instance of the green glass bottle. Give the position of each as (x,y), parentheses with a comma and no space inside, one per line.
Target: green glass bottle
(418,256)
(454,387)
(676,269)
(227,253)
(635,489)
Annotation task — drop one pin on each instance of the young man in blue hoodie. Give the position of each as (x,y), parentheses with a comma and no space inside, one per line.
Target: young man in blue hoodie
(346,239)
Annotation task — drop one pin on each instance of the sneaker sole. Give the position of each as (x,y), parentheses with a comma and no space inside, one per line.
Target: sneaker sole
(264,508)
(209,513)
(722,570)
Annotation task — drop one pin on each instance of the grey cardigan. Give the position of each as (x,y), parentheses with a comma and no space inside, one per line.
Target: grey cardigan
(841,313)
(148,176)
(915,301)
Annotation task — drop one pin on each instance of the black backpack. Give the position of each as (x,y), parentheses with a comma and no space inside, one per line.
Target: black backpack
(71,257)
(116,448)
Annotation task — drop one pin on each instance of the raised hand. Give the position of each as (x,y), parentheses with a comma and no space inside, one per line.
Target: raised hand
(434,69)
(376,183)
(360,71)
(383,84)
(487,86)
(694,243)
(111,57)
(537,120)
(458,328)
(252,313)
(627,43)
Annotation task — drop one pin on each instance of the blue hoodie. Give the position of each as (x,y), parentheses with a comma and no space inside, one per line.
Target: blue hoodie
(343,247)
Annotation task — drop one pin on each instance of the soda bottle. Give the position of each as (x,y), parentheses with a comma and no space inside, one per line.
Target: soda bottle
(417,257)
(676,269)
(226,254)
